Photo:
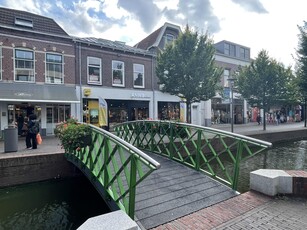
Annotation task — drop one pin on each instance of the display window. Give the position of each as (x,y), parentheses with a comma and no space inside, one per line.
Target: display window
(169,111)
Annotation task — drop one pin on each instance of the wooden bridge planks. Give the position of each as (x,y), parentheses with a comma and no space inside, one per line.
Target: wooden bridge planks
(174,191)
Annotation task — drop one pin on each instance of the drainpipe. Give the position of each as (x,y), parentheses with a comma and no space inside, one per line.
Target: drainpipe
(80,83)
(153,87)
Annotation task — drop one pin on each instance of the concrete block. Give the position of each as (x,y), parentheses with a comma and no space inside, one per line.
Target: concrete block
(270,181)
(285,184)
(117,220)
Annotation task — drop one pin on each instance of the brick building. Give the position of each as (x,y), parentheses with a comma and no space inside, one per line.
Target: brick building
(37,70)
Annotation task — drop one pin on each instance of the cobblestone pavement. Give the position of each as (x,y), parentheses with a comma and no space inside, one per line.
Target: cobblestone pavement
(250,210)
(279,213)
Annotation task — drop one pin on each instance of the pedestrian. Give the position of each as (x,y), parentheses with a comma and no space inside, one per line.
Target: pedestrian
(33,129)
(277,117)
(258,118)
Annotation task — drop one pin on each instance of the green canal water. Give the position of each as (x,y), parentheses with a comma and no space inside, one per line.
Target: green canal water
(66,204)
(284,156)
(56,204)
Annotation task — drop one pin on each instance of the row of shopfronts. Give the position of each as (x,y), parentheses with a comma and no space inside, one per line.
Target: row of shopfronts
(52,108)
(122,105)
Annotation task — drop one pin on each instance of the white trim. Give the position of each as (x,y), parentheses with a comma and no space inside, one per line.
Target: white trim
(123,74)
(100,72)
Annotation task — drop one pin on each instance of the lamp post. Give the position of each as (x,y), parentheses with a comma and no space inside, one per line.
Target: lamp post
(231,81)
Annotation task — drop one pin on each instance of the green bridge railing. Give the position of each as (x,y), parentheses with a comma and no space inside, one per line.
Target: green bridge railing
(116,165)
(215,152)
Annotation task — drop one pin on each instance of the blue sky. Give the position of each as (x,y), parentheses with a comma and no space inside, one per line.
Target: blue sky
(258,24)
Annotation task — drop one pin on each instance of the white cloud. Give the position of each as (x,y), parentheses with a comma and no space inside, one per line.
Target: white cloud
(258,24)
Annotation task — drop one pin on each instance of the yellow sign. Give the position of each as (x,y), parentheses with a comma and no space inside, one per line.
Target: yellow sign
(103,112)
(87,92)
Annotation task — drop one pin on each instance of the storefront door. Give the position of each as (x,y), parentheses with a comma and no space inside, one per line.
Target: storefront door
(50,121)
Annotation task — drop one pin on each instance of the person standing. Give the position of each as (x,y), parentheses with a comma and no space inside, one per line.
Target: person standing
(258,119)
(33,129)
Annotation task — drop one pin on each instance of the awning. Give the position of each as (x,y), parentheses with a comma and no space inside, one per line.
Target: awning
(37,93)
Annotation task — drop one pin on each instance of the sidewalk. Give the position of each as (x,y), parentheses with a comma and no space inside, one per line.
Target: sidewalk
(254,128)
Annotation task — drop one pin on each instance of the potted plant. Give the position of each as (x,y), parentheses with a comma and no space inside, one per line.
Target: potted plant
(73,135)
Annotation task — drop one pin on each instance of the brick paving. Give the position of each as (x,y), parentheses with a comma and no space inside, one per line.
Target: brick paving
(250,210)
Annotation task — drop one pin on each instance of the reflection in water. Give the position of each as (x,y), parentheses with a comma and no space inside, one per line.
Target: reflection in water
(284,156)
(64,204)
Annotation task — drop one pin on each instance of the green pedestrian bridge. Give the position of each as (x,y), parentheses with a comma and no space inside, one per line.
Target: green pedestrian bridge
(158,171)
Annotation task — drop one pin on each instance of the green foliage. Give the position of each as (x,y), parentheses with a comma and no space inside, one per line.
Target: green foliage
(187,67)
(302,61)
(266,82)
(73,135)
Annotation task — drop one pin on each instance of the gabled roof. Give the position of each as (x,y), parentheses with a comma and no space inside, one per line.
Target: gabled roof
(40,24)
(153,39)
(115,45)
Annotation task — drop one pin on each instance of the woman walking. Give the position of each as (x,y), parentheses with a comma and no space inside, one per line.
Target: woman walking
(33,129)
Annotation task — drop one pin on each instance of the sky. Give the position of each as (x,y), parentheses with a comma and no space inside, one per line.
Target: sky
(269,25)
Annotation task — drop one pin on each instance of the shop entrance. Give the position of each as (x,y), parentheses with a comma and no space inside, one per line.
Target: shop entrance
(18,114)
(56,114)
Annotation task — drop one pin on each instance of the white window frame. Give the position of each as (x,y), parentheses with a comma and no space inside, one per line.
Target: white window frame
(30,77)
(138,69)
(23,22)
(90,77)
(116,82)
(49,77)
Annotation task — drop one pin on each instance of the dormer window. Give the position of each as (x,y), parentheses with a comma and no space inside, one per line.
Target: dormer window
(229,49)
(169,38)
(23,22)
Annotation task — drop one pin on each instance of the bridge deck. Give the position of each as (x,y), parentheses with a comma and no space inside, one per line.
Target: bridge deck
(174,191)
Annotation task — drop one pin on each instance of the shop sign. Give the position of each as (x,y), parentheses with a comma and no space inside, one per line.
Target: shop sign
(139,95)
(87,92)
(22,94)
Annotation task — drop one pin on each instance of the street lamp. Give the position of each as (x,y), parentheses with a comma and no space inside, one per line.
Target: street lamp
(231,82)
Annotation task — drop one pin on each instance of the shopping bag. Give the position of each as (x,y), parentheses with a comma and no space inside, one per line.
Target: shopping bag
(39,139)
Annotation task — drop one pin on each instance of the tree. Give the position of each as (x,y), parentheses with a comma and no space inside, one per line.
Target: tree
(186,68)
(302,64)
(265,82)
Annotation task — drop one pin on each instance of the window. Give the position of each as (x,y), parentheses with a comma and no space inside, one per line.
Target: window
(226,76)
(138,76)
(24,65)
(54,68)
(244,53)
(23,22)
(169,38)
(229,49)
(93,70)
(118,76)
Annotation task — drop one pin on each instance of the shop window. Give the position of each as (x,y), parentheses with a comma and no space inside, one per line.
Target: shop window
(54,68)
(93,70)
(138,76)
(169,111)
(118,73)
(24,65)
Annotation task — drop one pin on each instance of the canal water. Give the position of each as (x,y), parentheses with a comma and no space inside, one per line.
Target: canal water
(66,204)
(285,156)
(56,204)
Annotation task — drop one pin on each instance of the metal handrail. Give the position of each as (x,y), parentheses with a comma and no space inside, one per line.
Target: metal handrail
(117,165)
(215,152)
